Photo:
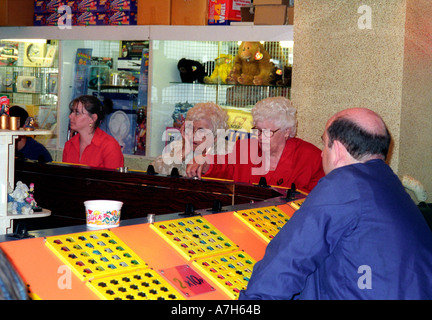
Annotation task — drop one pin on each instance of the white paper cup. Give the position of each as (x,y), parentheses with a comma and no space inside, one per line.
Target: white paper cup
(101,214)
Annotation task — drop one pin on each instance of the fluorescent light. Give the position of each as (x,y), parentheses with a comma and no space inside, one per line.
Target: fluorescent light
(287,44)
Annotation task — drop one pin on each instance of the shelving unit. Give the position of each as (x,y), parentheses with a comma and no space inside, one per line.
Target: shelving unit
(7,172)
(38,84)
(197,33)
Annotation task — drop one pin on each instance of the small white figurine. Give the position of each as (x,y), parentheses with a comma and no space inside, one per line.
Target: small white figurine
(17,200)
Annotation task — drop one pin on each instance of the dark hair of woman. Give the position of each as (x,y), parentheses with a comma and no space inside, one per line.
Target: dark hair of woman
(93,106)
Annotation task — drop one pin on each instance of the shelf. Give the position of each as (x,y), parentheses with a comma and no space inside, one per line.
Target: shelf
(22,132)
(43,213)
(37,93)
(7,172)
(27,67)
(198,33)
(229,85)
(6,224)
(114,88)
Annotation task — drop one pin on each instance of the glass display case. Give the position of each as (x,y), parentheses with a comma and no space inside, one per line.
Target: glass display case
(150,94)
(175,90)
(112,71)
(29,77)
(119,70)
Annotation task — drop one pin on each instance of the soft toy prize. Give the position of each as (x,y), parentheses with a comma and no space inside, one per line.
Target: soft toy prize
(223,66)
(252,65)
(191,71)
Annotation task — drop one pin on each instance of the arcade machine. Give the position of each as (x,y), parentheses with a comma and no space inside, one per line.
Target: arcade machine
(201,255)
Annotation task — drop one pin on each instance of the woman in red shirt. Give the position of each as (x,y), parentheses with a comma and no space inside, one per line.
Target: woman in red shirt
(91,146)
(276,155)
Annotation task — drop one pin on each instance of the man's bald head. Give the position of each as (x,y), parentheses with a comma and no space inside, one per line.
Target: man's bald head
(362,132)
(365,118)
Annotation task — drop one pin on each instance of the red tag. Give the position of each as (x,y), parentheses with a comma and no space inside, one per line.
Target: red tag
(186,280)
(258,55)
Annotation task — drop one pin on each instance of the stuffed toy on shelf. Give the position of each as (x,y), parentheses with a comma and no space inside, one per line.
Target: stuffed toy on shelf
(191,71)
(223,66)
(252,65)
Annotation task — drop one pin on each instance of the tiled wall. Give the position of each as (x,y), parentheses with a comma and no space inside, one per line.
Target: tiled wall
(348,55)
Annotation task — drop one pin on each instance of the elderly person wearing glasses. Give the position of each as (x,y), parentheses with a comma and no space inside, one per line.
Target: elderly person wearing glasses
(199,137)
(276,155)
(91,145)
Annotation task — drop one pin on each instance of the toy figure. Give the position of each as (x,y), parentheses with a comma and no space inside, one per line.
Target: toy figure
(222,69)
(31,200)
(251,65)
(16,200)
(29,124)
(140,131)
(281,76)
(179,114)
(4,105)
(191,70)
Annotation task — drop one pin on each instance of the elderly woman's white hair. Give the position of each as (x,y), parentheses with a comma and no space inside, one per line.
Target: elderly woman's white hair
(211,112)
(277,109)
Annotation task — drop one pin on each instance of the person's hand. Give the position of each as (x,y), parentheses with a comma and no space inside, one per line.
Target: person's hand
(197,167)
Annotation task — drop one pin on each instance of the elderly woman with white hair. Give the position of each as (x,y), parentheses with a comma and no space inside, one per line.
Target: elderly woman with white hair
(277,155)
(199,137)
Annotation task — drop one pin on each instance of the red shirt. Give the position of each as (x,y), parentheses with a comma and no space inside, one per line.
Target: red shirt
(300,163)
(103,152)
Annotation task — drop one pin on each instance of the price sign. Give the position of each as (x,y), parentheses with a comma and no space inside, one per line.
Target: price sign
(186,280)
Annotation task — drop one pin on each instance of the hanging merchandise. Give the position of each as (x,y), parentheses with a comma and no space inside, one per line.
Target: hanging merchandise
(81,72)
(143,79)
(141,132)
(179,113)
(121,122)
(141,116)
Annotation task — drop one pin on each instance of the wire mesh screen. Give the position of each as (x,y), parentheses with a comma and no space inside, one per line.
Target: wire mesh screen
(188,72)
(209,64)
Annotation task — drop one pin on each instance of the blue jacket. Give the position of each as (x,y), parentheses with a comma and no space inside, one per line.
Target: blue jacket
(34,150)
(358,235)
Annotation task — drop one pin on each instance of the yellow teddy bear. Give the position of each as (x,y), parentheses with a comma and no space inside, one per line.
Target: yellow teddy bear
(223,66)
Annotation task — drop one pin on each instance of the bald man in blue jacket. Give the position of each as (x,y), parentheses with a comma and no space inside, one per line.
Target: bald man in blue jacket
(358,235)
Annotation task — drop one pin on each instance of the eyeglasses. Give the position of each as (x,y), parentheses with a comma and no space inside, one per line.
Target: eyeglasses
(268,133)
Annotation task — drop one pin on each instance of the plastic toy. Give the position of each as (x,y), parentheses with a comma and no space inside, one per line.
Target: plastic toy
(4,106)
(29,124)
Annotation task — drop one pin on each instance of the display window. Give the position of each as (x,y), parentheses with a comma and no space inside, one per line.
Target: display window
(152,83)
(184,73)
(29,78)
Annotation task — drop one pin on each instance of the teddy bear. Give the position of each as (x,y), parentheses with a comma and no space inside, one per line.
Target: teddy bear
(223,66)
(281,76)
(191,70)
(252,65)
